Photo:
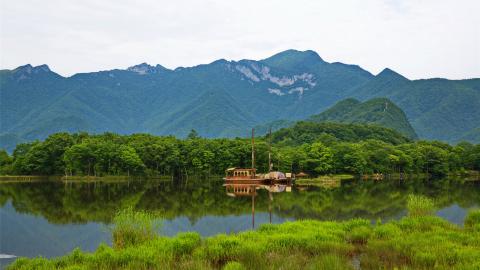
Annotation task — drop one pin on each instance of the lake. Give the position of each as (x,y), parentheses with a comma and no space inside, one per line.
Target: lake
(52,218)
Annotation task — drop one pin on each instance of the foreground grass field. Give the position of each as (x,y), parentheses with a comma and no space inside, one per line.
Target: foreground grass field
(419,241)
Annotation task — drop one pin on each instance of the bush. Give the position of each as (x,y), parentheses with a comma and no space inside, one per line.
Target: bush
(419,206)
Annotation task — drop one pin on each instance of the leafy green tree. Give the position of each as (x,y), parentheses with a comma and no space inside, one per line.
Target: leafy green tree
(129,161)
(349,158)
(5,162)
(434,159)
(193,135)
(318,158)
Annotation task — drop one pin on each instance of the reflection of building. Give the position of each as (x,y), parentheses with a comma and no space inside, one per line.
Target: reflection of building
(234,190)
(240,189)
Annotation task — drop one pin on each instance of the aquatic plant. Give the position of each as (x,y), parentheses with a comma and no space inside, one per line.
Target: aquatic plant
(419,206)
(131,227)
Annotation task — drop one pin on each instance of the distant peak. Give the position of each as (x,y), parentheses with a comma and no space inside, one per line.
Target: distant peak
(294,60)
(219,61)
(24,67)
(291,53)
(145,68)
(42,68)
(390,73)
(29,69)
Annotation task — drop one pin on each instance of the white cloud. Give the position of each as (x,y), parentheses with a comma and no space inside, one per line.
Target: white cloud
(419,39)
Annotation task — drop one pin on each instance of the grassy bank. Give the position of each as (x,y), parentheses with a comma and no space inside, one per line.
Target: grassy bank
(27,178)
(326,181)
(419,241)
(108,178)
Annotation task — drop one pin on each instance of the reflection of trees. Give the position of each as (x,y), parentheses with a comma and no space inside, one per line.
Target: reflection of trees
(70,203)
(370,199)
(83,202)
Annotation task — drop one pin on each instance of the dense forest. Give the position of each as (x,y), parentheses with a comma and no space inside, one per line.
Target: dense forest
(314,148)
(377,111)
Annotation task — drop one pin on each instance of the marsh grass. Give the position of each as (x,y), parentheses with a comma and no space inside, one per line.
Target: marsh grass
(415,242)
(419,206)
(131,227)
(472,220)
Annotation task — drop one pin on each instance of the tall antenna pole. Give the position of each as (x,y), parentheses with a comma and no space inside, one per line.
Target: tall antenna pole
(253,148)
(269,149)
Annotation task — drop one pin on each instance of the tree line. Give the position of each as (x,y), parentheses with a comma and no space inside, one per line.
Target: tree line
(105,154)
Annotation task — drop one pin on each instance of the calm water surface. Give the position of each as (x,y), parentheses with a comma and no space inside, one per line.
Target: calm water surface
(52,218)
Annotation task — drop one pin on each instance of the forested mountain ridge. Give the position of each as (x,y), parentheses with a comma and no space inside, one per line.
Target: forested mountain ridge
(221,99)
(437,108)
(380,111)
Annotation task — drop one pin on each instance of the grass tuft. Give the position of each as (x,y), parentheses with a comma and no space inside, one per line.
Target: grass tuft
(472,221)
(131,227)
(419,206)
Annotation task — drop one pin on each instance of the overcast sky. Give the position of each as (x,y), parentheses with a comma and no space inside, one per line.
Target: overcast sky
(417,38)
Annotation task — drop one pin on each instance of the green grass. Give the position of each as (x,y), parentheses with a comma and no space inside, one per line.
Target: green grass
(472,221)
(326,181)
(420,206)
(419,241)
(132,227)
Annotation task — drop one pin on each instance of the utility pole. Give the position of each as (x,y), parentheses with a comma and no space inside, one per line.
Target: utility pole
(253,148)
(270,150)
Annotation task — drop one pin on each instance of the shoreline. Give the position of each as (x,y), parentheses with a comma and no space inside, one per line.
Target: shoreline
(348,244)
(469,176)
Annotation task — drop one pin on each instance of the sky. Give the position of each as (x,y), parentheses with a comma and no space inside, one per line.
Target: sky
(417,38)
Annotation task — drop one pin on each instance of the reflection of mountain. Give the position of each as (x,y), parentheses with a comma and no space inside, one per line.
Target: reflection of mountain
(97,202)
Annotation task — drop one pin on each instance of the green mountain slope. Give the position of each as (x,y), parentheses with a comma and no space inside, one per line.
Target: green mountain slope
(207,122)
(308,132)
(380,111)
(437,108)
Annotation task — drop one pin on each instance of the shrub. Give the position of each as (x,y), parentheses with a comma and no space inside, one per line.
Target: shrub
(419,206)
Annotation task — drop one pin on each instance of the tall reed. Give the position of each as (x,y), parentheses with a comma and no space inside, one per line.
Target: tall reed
(419,206)
(131,227)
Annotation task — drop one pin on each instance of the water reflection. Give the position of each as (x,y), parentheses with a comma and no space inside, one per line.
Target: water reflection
(239,189)
(50,218)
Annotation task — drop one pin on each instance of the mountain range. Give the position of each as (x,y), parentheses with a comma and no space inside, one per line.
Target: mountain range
(224,98)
